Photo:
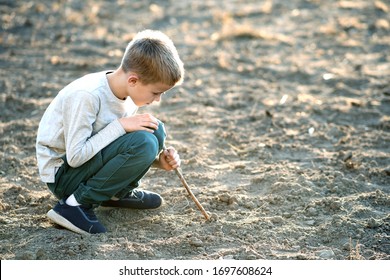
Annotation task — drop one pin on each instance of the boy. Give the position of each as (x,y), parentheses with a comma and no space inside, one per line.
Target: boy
(93,149)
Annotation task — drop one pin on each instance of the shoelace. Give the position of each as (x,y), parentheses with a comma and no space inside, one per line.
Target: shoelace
(89,213)
(135,194)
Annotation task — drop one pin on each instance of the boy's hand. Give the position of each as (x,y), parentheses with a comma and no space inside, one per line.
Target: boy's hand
(139,122)
(169,159)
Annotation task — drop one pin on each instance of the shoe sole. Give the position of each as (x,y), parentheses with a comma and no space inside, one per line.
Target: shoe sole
(58,219)
(134,208)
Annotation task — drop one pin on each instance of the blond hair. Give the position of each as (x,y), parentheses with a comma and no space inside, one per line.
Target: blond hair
(154,58)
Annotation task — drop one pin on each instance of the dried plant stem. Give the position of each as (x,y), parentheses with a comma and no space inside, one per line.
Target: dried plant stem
(184,183)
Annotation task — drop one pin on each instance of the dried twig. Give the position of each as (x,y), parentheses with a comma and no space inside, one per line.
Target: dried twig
(184,183)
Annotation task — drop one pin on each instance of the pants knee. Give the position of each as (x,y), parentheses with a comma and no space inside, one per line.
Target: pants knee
(147,146)
(144,144)
(160,134)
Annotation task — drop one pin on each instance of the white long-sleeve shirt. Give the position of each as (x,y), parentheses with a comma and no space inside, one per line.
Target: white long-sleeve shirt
(80,121)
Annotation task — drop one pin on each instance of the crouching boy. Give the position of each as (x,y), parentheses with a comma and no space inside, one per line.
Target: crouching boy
(93,148)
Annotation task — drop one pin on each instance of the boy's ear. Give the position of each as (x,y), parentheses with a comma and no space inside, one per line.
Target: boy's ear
(132,79)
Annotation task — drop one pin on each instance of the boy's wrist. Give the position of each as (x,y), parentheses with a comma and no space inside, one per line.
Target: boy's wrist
(120,120)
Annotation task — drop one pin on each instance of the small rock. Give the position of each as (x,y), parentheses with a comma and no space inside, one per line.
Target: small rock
(311,211)
(382,24)
(150,253)
(250,205)
(326,254)
(4,206)
(251,257)
(228,257)
(224,197)
(21,199)
(346,246)
(335,205)
(310,222)
(277,220)
(347,156)
(196,242)
(227,198)
(334,189)
(40,254)
(249,238)
(213,217)
(27,255)
(296,247)
(287,215)
(372,223)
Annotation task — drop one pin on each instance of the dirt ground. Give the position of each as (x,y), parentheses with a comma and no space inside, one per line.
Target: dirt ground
(283,125)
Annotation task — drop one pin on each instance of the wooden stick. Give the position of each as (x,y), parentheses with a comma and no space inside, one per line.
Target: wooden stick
(184,183)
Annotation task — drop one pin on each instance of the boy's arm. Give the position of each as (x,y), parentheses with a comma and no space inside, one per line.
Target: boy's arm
(79,114)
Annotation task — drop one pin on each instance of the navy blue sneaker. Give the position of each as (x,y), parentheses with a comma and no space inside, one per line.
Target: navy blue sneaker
(136,199)
(76,218)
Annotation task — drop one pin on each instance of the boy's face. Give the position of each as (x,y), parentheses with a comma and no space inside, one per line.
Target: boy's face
(143,95)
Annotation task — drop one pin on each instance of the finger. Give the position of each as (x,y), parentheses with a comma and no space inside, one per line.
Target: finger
(176,165)
(171,159)
(171,152)
(150,124)
(153,120)
(175,161)
(176,157)
(153,125)
(148,129)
